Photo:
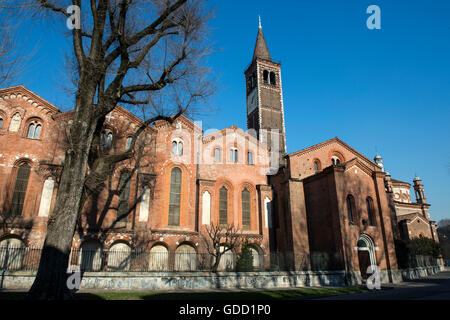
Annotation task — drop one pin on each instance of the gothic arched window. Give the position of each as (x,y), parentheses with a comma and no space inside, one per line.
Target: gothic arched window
(217,155)
(20,189)
(175,197)
(351,209)
(124,196)
(223,206)
(370,211)
(245,209)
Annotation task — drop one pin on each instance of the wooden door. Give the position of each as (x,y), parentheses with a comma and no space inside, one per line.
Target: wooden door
(364,262)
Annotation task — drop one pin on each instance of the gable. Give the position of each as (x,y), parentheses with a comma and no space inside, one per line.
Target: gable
(302,162)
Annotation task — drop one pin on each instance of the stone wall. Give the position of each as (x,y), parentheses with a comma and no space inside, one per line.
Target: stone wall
(204,280)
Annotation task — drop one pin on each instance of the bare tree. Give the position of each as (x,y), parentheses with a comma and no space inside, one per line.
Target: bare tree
(10,60)
(219,240)
(141,54)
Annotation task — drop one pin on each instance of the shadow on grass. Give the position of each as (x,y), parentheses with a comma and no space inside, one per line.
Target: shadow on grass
(286,294)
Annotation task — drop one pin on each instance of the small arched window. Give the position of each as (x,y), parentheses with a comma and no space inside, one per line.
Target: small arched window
(250,157)
(128,144)
(20,189)
(217,155)
(335,160)
(266,76)
(273,80)
(245,209)
(351,209)
(223,206)
(316,165)
(1,122)
(175,197)
(370,211)
(234,155)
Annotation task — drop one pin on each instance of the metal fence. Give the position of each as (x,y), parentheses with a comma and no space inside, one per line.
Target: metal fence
(420,261)
(27,259)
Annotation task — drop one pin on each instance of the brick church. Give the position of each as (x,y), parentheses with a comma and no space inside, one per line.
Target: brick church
(326,207)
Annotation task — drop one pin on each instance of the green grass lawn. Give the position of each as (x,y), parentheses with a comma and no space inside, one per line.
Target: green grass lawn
(230,295)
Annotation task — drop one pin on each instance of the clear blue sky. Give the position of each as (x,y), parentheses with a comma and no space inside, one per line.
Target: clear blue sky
(385,89)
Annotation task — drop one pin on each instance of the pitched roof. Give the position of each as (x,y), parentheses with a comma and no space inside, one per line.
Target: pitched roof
(261,51)
(327,142)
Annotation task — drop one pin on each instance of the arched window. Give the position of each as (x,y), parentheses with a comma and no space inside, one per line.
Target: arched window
(316,165)
(1,122)
(124,196)
(12,252)
(34,130)
(223,206)
(217,155)
(30,131)
(37,132)
(159,258)
(266,76)
(351,209)
(185,258)
(119,257)
(245,209)
(109,138)
(175,197)
(177,148)
(370,211)
(106,139)
(174,147)
(103,139)
(335,160)
(234,155)
(273,78)
(20,189)
(250,157)
(128,144)
(90,258)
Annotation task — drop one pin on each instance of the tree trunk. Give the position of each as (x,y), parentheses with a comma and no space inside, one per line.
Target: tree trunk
(50,282)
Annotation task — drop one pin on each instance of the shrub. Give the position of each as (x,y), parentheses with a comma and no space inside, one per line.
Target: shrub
(244,261)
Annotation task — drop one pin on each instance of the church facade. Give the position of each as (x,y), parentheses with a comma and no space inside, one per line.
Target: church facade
(326,207)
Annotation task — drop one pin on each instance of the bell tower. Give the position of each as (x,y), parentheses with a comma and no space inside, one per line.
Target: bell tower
(265,100)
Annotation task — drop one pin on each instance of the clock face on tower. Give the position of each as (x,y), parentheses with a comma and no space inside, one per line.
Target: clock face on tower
(252,101)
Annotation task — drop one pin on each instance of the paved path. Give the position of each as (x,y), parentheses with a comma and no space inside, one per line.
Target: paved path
(435,287)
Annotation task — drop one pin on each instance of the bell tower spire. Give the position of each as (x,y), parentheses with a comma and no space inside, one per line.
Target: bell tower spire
(261,50)
(265,114)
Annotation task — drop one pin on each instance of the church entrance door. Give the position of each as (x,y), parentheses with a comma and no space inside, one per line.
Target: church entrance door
(366,254)
(364,263)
